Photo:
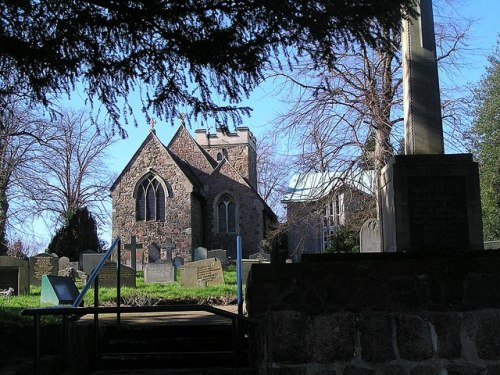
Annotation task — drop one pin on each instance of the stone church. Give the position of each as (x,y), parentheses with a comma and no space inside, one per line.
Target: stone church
(192,192)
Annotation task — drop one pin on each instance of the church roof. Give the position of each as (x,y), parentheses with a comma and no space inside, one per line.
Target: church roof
(316,185)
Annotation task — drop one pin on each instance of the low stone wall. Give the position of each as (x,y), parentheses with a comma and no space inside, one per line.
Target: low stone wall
(374,314)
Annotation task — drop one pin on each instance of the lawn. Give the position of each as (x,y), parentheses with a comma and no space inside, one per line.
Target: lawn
(144,294)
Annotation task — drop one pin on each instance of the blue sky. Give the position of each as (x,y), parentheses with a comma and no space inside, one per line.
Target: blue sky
(267,104)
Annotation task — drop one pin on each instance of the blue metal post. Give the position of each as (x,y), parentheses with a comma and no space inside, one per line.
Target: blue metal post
(238,275)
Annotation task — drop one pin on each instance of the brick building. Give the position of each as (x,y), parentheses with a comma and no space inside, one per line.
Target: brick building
(193,192)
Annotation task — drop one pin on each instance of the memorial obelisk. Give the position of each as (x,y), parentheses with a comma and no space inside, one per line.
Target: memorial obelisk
(429,201)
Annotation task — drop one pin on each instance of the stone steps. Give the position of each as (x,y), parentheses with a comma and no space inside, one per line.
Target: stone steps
(142,349)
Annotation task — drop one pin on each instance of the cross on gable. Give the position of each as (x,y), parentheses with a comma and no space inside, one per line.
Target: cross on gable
(152,123)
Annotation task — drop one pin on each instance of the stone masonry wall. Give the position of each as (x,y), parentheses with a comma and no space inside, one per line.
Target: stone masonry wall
(250,220)
(154,158)
(378,314)
(379,343)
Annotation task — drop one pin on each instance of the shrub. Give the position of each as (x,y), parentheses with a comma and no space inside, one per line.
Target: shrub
(77,235)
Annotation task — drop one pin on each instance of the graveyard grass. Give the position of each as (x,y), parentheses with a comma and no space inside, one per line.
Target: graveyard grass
(144,294)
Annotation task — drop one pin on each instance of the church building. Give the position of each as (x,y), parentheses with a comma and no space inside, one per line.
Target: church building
(193,192)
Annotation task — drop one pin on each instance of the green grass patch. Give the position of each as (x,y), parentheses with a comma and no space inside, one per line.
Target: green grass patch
(144,294)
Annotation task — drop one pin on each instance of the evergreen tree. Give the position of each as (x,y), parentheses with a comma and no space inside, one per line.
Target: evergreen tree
(487,145)
(78,234)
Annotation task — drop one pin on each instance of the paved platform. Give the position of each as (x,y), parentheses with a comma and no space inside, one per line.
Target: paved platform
(164,318)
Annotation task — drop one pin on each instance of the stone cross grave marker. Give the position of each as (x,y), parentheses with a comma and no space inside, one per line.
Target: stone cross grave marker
(160,273)
(202,273)
(369,237)
(133,246)
(14,273)
(42,264)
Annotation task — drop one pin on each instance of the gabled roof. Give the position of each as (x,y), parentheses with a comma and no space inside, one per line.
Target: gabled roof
(183,130)
(313,186)
(149,137)
(226,164)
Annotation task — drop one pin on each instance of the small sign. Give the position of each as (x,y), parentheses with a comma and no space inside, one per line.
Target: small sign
(58,290)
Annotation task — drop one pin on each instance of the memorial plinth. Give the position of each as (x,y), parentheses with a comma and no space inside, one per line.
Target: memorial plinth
(431,203)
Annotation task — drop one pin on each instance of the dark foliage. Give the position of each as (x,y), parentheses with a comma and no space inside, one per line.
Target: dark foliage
(79,234)
(181,55)
(345,240)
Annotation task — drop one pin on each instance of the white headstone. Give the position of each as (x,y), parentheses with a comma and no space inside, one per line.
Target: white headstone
(369,237)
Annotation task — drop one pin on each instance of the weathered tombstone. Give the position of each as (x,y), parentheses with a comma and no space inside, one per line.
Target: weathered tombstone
(154,252)
(63,263)
(167,250)
(202,273)
(178,262)
(264,252)
(90,261)
(492,245)
(133,246)
(200,253)
(80,258)
(74,265)
(42,264)
(428,201)
(58,290)
(219,254)
(369,237)
(246,264)
(14,273)
(107,276)
(260,256)
(161,273)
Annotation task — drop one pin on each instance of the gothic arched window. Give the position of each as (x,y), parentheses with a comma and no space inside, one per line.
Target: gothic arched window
(226,214)
(150,200)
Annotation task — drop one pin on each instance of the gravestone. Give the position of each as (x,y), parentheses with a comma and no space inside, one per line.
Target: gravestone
(200,253)
(63,263)
(428,201)
(260,256)
(178,262)
(42,264)
(202,273)
(90,261)
(154,253)
(58,290)
(167,251)
(107,276)
(219,254)
(492,245)
(14,273)
(369,237)
(246,265)
(80,258)
(160,273)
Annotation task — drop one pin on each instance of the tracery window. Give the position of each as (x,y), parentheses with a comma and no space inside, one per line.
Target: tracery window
(226,212)
(150,200)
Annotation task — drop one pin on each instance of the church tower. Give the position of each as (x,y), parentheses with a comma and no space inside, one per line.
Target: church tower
(239,148)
